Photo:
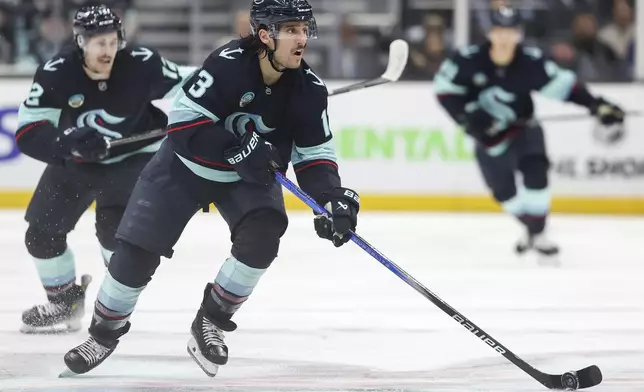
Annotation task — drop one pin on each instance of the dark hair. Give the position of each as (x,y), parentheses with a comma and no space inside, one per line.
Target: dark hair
(253,43)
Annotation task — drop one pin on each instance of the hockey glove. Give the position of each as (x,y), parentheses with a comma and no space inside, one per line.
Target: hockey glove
(344,205)
(480,125)
(607,113)
(84,143)
(255,159)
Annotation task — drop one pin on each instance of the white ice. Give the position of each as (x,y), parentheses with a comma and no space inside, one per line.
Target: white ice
(335,319)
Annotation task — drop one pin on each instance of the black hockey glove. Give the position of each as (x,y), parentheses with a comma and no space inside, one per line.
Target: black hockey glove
(479,124)
(84,143)
(344,205)
(255,159)
(607,113)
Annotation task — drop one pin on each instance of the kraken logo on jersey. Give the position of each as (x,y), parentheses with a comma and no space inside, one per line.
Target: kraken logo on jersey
(236,123)
(97,119)
(495,100)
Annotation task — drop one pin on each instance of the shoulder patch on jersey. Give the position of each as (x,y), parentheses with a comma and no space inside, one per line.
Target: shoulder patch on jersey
(246,99)
(533,52)
(226,53)
(142,52)
(51,64)
(76,101)
(317,80)
(479,79)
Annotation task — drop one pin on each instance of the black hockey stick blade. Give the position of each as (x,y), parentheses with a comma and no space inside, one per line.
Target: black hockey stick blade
(587,377)
(398,55)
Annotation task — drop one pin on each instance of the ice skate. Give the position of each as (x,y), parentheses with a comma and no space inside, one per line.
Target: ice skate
(547,251)
(63,313)
(207,346)
(88,355)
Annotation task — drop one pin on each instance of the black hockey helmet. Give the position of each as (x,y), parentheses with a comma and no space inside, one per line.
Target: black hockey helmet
(506,17)
(94,20)
(270,14)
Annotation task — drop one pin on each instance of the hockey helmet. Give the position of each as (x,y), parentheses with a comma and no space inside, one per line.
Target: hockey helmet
(506,17)
(270,14)
(94,20)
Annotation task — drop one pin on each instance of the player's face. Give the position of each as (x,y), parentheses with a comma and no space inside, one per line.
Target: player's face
(505,38)
(100,51)
(292,38)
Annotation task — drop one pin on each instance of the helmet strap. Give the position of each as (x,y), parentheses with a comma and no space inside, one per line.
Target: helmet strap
(271,58)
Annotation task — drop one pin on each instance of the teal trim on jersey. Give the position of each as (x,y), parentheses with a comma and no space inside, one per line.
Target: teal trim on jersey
(560,85)
(513,206)
(499,149)
(442,85)
(107,255)
(27,115)
(536,201)
(210,174)
(185,72)
(238,278)
(322,151)
(178,115)
(57,271)
(183,103)
(150,148)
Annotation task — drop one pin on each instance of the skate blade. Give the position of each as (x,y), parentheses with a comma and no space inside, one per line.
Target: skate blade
(67,373)
(552,261)
(70,326)
(208,367)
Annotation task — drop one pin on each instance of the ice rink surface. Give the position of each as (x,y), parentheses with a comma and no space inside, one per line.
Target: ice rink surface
(326,319)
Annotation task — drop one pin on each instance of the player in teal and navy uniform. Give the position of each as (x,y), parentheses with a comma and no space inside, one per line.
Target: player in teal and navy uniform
(486,89)
(101,90)
(254,106)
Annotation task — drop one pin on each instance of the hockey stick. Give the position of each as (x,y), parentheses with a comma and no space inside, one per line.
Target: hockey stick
(581,116)
(136,138)
(584,378)
(398,54)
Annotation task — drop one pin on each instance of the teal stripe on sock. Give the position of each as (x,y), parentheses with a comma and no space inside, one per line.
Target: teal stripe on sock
(57,271)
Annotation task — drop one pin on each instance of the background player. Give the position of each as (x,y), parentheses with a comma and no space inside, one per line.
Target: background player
(79,99)
(486,89)
(253,106)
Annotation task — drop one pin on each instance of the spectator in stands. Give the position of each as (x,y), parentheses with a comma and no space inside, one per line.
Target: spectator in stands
(620,32)
(54,32)
(426,58)
(7,38)
(591,59)
(358,55)
(240,28)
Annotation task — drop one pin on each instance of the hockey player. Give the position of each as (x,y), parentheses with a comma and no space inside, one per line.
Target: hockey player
(102,90)
(253,106)
(486,89)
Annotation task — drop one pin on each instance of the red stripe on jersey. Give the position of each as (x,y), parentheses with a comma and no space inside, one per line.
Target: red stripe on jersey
(29,128)
(212,163)
(315,164)
(189,125)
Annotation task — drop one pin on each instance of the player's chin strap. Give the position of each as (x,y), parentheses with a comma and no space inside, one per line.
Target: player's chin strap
(271,57)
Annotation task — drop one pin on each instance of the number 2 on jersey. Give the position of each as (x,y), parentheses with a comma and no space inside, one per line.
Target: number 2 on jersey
(35,94)
(198,89)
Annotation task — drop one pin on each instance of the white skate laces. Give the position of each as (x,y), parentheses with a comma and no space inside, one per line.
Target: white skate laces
(212,335)
(92,351)
(51,309)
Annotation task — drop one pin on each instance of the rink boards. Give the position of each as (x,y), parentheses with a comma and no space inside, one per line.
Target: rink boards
(401,151)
